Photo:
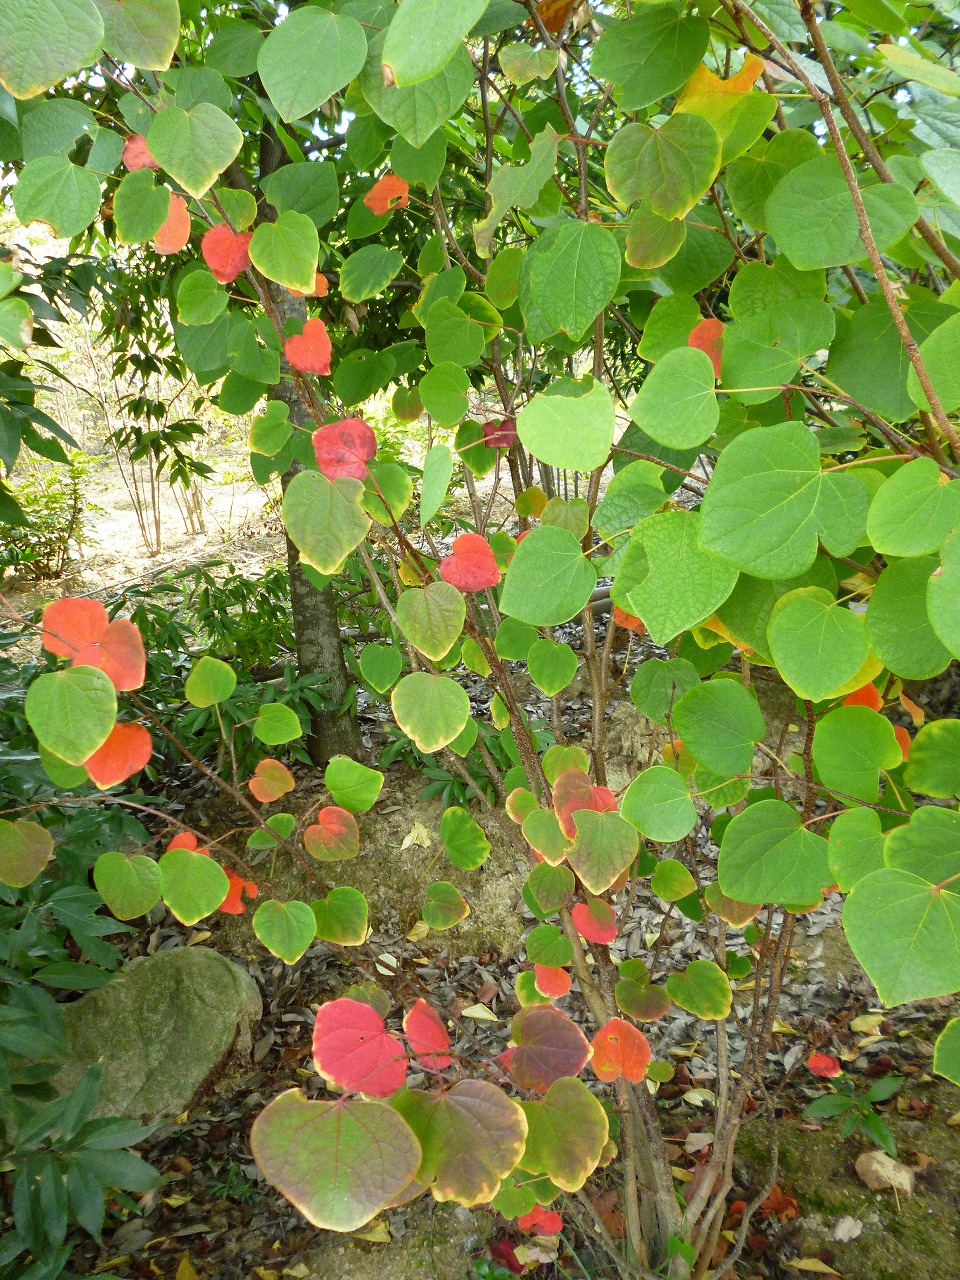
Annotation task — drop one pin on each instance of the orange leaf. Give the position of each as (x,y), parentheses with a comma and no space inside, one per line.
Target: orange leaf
(270,781)
(551,982)
(707,336)
(233,904)
(125,752)
(118,653)
(387,193)
(628,621)
(868,695)
(554,13)
(619,1049)
(68,625)
(705,84)
(226,252)
(916,713)
(175,232)
(780,1204)
(136,153)
(541,1222)
(310,351)
(901,735)
(334,836)
(321,288)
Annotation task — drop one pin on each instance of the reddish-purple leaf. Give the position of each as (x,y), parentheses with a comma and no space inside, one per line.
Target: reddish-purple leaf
(353,1049)
(226,252)
(549,1046)
(472,566)
(344,448)
(499,433)
(310,351)
(572,791)
(551,982)
(427,1036)
(334,836)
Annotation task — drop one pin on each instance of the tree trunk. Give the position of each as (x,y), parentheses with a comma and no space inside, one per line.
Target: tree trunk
(315,624)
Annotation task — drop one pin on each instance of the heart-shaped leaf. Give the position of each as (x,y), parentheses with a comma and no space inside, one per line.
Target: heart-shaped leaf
(334,836)
(286,929)
(324,518)
(432,617)
(193,884)
(72,712)
(432,710)
(353,1049)
(128,886)
(703,989)
(341,917)
(25,849)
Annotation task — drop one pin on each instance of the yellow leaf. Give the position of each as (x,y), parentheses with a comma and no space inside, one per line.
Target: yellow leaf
(186,1271)
(868,1023)
(378,1233)
(554,13)
(704,84)
(418,932)
(812,1264)
(782,1029)
(681,1175)
(175,1202)
(480,1013)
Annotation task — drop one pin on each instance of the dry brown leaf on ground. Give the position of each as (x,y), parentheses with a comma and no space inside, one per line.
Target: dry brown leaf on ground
(880,1173)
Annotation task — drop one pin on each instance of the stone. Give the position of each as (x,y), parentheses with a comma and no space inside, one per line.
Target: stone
(161,1031)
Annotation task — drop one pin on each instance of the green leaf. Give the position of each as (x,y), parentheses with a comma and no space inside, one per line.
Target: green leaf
(463,839)
(671,880)
(286,929)
(574,274)
(657,686)
(432,617)
(650,55)
(855,847)
(270,431)
(898,626)
(387,492)
(542,831)
(50,189)
(903,930)
(210,681)
(140,207)
(144,32)
(380,666)
(514,639)
(546,945)
(416,111)
(934,765)
(604,846)
(568,1130)
(667,578)
(128,886)
(751,179)
(286,250)
(420,166)
(437,473)
(432,710)
(424,35)
(913,66)
(443,392)
(25,849)
(200,298)
(193,884)
(669,168)
(703,989)
(338,1163)
(946,1057)
(851,745)
(569,425)
(277,723)
(912,512)
(668,326)
(352,785)
(324,518)
(194,146)
(551,665)
(309,57)
(44,41)
(234,48)
(445,906)
(720,724)
(943,596)
(938,353)
(928,845)
(311,189)
(515,186)
(767,855)
(549,579)
(817,643)
(368,272)
(651,239)
(521,64)
(550,887)
(658,804)
(452,335)
(72,712)
(341,917)
(677,403)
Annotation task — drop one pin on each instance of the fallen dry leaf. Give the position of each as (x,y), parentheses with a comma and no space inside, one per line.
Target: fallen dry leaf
(812,1264)
(880,1173)
(185,1271)
(847,1229)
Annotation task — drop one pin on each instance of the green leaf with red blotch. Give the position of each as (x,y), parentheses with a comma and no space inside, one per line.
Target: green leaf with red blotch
(271,780)
(567,1130)
(604,847)
(619,1049)
(735,913)
(549,1046)
(703,989)
(595,920)
(353,1049)
(25,849)
(193,884)
(341,917)
(334,836)
(339,1163)
(286,929)
(471,1136)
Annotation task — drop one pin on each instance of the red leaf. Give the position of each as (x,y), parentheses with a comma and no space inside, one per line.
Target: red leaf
(175,232)
(499,435)
(136,153)
(353,1049)
(901,735)
(184,840)
(549,1046)
(541,1222)
(503,1251)
(551,982)
(310,350)
(868,695)
(118,653)
(595,920)
(334,836)
(344,448)
(321,288)
(427,1036)
(619,1049)
(270,781)
(233,904)
(780,1204)
(472,565)
(628,621)
(387,193)
(707,336)
(226,252)
(71,624)
(821,1064)
(125,752)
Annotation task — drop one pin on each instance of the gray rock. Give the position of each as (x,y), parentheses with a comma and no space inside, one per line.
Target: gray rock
(161,1030)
